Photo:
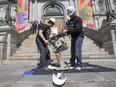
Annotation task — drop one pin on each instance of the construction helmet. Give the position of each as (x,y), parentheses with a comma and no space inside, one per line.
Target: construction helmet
(52,21)
(59,79)
(70,10)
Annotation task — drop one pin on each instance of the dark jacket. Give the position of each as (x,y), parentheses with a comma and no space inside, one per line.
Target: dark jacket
(75,27)
(34,25)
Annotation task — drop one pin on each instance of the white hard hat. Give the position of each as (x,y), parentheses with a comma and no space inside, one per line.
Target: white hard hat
(70,10)
(53,20)
(57,80)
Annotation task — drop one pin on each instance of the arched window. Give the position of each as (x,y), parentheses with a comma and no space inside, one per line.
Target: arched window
(101,5)
(53,10)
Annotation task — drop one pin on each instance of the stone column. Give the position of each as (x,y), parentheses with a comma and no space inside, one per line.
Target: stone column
(33,16)
(3,46)
(96,5)
(0,13)
(30,11)
(76,6)
(113,35)
(93,6)
(4,12)
(96,22)
(36,12)
(14,12)
(11,12)
(71,3)
(39,12)
(8,45)
(112,4)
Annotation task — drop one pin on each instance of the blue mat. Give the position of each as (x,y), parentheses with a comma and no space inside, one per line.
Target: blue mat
(28,73)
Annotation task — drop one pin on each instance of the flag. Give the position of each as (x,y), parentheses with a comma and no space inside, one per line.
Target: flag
(21,15)
(85,12)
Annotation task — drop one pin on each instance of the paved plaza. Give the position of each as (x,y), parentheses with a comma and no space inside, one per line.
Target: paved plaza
(95,73)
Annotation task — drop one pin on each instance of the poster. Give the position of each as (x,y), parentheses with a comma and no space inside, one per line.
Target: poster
(85,12)
(22,15)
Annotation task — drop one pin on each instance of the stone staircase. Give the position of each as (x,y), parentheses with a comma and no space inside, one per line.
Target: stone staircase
(89,50)
(28,51)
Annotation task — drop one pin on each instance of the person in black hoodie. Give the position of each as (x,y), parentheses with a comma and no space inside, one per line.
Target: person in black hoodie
(75,29)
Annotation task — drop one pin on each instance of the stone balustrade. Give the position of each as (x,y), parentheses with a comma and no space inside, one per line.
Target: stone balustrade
(105,36)
(10,40)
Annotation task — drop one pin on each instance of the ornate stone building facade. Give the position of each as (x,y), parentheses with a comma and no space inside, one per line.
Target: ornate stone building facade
(41,10)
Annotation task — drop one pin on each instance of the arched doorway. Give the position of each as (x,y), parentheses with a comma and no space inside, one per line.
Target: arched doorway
(56,11)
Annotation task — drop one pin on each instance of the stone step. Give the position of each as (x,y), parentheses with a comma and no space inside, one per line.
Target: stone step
(28,50)
(34,50)
(83,49)
(85,56)
(28,42)
(25,57)
(29,45)
(68,41)
(34,62)
(88,56)
(21,62)
(26,54)
(63,54)
(100,56)
(86,50)
(32,36)
(92,47)
(84,53)
(84,44)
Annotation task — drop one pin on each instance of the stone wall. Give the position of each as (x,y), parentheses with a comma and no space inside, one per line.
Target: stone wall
(104,37)
(95,35)
(10,40)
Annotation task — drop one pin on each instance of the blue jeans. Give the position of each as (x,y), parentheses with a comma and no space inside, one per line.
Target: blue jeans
(44,53)
(76,51)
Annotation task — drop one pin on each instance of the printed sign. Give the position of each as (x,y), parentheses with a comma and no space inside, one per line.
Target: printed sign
(22,15)
(85,12)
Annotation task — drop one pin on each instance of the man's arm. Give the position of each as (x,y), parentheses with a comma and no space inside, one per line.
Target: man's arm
(42,36)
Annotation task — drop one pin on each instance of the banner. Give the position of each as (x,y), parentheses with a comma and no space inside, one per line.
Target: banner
(85,12)
(22,15)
